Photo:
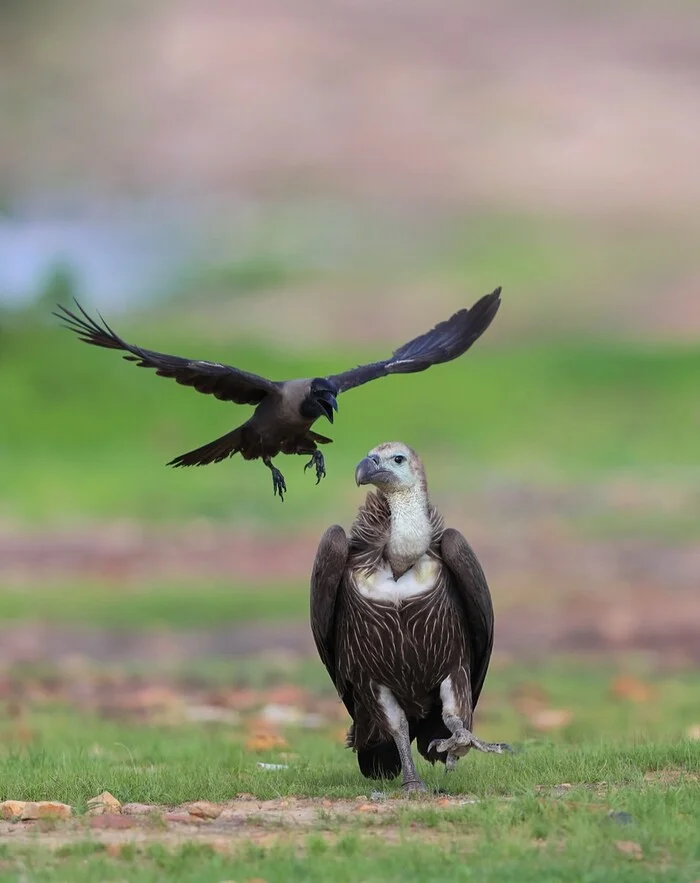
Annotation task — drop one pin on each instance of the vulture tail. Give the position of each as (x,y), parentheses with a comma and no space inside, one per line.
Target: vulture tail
(380,761)
(431,727)
(214,452)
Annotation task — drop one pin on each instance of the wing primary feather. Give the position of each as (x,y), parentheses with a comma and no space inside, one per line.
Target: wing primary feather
(224,381)
(446,341)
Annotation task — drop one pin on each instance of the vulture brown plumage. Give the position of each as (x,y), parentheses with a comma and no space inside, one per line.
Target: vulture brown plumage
(402,618)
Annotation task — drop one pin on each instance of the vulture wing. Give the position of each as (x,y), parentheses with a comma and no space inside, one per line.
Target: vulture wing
(446,341)
(475,598)
(326,576)
(226,383)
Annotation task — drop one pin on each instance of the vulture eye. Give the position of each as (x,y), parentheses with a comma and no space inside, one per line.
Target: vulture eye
(399,459)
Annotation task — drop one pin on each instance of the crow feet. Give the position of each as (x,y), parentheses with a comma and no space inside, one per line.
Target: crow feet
(460,742)
(278,483)
(320,464)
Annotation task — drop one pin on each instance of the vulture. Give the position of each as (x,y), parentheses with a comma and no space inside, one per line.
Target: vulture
(402,618)
(286,410)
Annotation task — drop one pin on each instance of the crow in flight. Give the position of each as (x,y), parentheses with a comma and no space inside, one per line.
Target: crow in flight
(286,410)
(402,619)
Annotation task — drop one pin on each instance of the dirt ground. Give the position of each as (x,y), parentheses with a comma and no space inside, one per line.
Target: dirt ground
(554,590)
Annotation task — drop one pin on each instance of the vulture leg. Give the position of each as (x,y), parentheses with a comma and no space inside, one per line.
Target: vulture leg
(278,483)
(462,739)
(398,726)
(318,461)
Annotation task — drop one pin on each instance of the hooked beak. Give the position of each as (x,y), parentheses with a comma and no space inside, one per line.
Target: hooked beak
(366,471)
(328,404)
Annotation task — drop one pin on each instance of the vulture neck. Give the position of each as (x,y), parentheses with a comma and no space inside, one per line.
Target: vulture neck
(410,530)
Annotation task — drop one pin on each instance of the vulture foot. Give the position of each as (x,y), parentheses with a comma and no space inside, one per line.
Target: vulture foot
(414,786)
(320,464)
(460,742)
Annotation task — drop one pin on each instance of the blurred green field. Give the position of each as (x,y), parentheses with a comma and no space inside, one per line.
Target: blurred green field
(86,435)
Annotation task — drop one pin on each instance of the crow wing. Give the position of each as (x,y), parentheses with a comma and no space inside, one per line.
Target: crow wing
(223,381)
(446,341)
(326,576)
(475,600)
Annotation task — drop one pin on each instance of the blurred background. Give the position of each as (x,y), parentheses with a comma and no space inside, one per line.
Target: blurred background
(294,187)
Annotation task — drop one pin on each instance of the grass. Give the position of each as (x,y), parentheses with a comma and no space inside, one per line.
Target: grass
(87,436)
(151,605)
(520,821)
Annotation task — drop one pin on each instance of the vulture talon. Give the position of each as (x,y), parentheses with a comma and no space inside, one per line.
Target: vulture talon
(414,786)
(318,461)
(460,742)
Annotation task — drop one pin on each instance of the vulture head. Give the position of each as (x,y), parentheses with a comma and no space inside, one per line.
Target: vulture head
(321,399)
(393,468)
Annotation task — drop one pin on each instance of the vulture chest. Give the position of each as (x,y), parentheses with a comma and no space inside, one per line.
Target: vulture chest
(406,634)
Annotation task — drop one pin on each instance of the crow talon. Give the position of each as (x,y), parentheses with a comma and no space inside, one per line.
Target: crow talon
(278,484)
(318,461)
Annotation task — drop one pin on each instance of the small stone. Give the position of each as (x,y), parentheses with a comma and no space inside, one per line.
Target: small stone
(182,818)
(12,809)
(103,804)
(112,821)
(377,796)
(138,809)
(204,810)
(46,809)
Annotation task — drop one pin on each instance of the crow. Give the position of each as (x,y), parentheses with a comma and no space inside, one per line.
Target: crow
(286,410)
(402,619)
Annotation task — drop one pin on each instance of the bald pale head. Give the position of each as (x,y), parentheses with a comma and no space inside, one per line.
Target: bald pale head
(392,467)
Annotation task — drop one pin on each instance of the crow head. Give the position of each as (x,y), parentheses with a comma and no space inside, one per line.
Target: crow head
(392,467)
(320,401)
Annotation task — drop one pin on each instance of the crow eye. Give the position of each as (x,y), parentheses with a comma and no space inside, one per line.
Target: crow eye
(399,459)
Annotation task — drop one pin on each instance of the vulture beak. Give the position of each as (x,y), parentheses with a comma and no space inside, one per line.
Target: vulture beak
(328,403)
(367,470)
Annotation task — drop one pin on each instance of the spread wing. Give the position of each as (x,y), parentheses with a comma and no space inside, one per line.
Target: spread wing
(327,573)
(226,383)
(474,595)
(446,341)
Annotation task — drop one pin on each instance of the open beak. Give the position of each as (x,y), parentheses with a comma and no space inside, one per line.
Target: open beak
(328,403)
(366,470)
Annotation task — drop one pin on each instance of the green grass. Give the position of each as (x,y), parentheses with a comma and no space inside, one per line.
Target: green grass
(86,435)
(149,605)
(59,753)
(520,827)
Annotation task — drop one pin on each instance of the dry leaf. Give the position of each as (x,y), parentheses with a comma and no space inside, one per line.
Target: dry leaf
(46,809)
(367,807)
(630,848)
(529,698)
(631,688)
(204,810)
(264,740)
(12,809)
(693,732)
(551,719)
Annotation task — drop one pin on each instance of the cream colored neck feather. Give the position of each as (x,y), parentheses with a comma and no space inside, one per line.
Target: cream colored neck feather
(411,530)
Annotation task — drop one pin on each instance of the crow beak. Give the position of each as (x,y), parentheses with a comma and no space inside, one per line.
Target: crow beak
(328,404)
(366,470)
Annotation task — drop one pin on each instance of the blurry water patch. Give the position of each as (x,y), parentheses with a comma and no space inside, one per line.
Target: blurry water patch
(123,255)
